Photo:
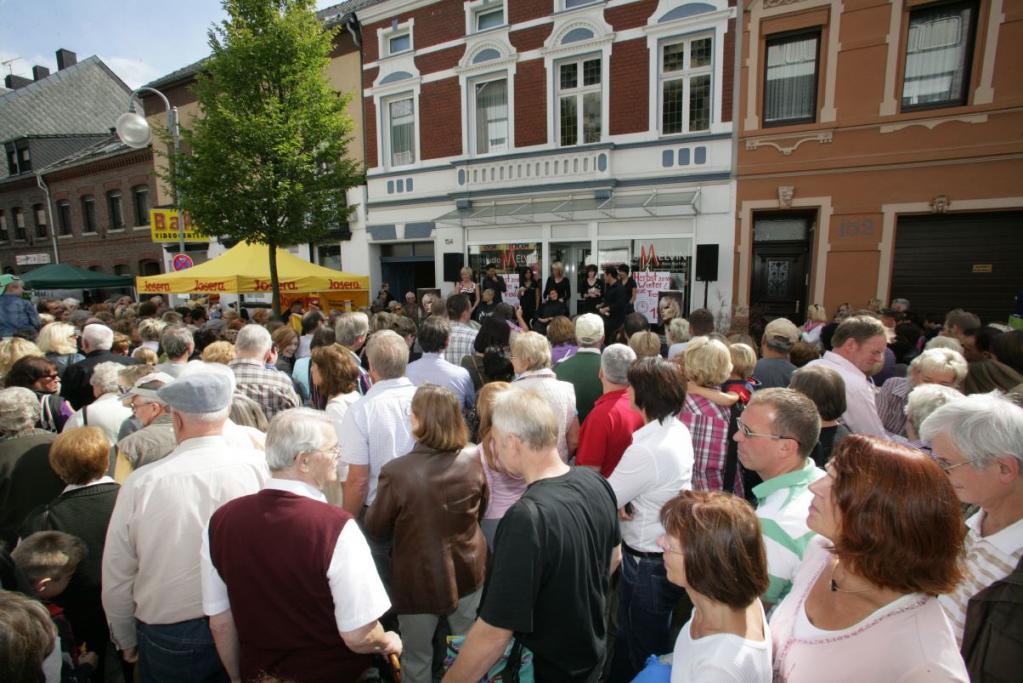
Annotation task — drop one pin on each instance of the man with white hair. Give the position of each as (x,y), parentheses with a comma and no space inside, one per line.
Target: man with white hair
(107,411)
(96,342)
(351,331)
(978,441)
(858,347)
(607,430)
(152,592)
(272,389)
(582,369)
(377,427)
(17,314)
(178,343)
(554,553)
(265,553)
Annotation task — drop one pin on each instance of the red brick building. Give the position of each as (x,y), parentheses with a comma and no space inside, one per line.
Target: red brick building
(528,132)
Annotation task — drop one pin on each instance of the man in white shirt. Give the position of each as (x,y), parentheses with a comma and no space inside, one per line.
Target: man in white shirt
(857,353)
(151,587)
(377,427)
(978,441)
(777,433)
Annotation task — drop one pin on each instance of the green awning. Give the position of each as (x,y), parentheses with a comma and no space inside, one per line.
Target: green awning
(67,276)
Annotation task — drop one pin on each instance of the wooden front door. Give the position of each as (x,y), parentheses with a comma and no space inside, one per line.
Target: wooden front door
(780,280)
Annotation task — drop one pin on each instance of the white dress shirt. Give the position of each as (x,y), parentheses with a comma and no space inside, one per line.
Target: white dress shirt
(151,556)
(377,428)
(358,593)
(652,471)
(860,414)
(106,412)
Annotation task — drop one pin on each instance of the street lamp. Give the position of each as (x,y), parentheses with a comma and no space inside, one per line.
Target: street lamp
(134,131)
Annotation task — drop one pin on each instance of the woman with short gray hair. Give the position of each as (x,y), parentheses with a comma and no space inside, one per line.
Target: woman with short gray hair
(26,478)
(934,366)
(531,359)
(106,412)
(923,401)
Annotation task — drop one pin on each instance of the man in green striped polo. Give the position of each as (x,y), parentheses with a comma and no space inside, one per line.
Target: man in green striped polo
(777,432)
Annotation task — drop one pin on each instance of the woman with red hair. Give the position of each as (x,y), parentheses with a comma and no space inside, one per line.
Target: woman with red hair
(863,607)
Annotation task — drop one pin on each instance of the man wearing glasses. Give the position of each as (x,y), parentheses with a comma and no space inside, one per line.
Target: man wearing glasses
(978,441)
(777,433)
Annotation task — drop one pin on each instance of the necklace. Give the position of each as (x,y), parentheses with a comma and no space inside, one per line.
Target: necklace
(835,588)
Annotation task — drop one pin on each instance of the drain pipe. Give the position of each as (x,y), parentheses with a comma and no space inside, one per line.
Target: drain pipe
(49,212)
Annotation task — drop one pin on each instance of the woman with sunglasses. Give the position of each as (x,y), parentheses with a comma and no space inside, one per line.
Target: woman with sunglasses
(59,341)
(42,377)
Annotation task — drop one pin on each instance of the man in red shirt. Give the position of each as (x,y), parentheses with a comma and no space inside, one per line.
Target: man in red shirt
(607,430)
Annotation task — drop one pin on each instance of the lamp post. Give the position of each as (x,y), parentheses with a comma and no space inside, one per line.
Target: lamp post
(134,131)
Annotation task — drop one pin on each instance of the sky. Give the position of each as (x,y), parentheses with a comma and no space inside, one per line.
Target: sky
(140,40)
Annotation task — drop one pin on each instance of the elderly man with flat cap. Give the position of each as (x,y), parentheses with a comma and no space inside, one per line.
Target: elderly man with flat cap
(151,580)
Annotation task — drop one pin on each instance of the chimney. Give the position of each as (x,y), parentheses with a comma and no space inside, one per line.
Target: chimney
(65,58)
(14,82)
(39,73)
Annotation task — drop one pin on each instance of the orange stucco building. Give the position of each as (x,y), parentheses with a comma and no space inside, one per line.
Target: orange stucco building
(880,155)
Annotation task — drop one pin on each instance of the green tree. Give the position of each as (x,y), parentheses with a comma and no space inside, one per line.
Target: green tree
(265,159)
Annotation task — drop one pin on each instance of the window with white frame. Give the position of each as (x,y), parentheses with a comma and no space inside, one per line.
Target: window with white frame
(489,111)
(686,69)
(400,127)
(487,16)
(939,48)
(790,78)
(399,42)
(580,94)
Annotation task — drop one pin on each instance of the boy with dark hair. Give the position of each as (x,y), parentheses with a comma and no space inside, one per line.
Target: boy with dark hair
(49,559)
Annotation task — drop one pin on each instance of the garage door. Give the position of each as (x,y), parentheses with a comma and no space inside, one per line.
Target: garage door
(970,261)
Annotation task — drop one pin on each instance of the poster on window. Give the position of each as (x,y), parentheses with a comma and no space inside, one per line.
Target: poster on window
(511,296)
(649,285)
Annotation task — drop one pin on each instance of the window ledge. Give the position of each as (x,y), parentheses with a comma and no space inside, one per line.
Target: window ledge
(110,230)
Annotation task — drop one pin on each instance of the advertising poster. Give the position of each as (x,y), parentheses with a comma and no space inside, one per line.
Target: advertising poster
(650,283)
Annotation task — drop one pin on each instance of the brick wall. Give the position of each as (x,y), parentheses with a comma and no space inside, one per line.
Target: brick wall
(629,91)
(439,61)
(631,15)
(530,104)
(524,10)
(530,38)
(440,119)
(728,72)
(436,23)
(369,122)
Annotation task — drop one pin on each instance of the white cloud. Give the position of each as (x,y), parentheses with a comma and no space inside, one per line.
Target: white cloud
(134,72)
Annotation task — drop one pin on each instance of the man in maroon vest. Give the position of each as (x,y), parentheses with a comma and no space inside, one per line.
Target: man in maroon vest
(288,580)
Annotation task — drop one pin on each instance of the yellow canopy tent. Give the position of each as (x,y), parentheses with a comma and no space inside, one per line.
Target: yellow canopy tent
(245,269)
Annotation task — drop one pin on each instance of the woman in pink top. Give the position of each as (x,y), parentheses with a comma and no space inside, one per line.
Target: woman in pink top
(505,490)
(862,607)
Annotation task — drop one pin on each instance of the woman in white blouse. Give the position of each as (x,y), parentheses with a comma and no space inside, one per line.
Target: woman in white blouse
(652,471)
(713,548)
(334,372)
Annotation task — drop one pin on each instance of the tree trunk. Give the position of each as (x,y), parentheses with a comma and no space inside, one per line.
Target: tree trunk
(275,286)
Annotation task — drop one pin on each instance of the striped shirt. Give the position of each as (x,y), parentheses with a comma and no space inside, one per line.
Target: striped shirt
(272,389)
(891,404)
(988,559)
(708,425)
(782,506)
(460,342)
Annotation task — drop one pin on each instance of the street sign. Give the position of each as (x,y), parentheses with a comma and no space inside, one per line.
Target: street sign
(182,261)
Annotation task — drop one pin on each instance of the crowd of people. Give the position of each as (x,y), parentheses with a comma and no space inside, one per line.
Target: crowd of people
(201,493)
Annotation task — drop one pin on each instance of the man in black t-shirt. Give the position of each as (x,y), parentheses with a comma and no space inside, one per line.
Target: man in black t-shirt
(630,284)
(554,553)
(495,282)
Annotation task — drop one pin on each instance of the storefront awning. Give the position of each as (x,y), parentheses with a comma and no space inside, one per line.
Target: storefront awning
(646,205)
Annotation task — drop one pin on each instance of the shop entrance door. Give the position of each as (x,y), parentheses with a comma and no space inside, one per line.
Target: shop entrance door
(407,267)
(574,257)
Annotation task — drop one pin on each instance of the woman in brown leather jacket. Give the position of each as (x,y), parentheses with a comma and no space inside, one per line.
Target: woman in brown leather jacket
(430,502)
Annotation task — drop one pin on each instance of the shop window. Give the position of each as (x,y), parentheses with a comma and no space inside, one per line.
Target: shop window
(148,267)
(140,204)
(686,68)
(64,217)
(511,259)
(790,78)
(401,130)
(329,255)
(580,93)
(489,110)
(39,214)
(122,269)
(660,267)
(19,224)
(88,214)
(938,51)
(114,212)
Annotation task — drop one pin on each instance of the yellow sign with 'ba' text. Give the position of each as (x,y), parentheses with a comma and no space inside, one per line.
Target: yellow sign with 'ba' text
(163,225)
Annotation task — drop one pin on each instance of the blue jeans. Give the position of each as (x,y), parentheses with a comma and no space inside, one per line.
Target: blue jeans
(645,602)
(183,652)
